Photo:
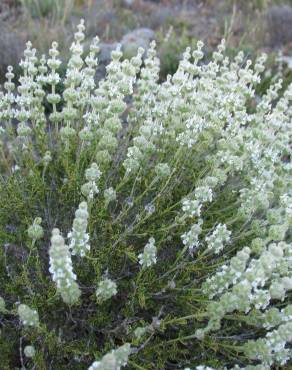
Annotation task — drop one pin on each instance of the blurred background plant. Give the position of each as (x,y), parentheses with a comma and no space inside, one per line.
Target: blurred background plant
(56,10)
(251,25)
(172,45)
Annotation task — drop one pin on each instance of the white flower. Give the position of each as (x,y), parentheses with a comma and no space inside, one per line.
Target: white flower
(92,175)
(62,270)
(114,360)
(219,237)
(78,236)
(29,351)
(105,290)
(110,195)
(28,316)
(192,208)
(148,257)
(191,238)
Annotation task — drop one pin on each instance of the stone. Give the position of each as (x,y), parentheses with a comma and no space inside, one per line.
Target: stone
(104,55)
(140,37)
(161,15)
(128,2)
(279,25)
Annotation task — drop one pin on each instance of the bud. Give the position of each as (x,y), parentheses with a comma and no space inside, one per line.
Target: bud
(35,231)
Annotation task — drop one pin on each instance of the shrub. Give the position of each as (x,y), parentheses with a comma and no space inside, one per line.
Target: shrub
(43,8)
(142,223)
(171,47)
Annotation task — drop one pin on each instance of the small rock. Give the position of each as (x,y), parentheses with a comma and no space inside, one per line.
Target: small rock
(128,2)
(105,52)
(279,23)
(104,57)
(161,16)
(140,37)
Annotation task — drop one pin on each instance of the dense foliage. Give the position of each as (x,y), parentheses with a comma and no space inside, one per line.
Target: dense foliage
(144,224)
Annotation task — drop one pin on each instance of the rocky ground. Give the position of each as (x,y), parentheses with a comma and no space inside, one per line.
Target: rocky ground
(173,23)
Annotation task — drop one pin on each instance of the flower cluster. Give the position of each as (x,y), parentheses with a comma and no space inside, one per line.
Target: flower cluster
(215,242)
(28,316)
(35,231)
(29,351)
(258,282)
(78,236)
(191,208)
(110,195)
(2,305)
(148,257)
(105,290)
(92,175)
(114,360)
(228,274)
(191,238)
(271,349)
(62,270)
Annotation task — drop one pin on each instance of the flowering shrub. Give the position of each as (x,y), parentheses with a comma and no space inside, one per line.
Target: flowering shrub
(144,224)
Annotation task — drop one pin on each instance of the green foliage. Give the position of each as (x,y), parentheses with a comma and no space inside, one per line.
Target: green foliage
(44,8)
(258,4)
(171,47)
